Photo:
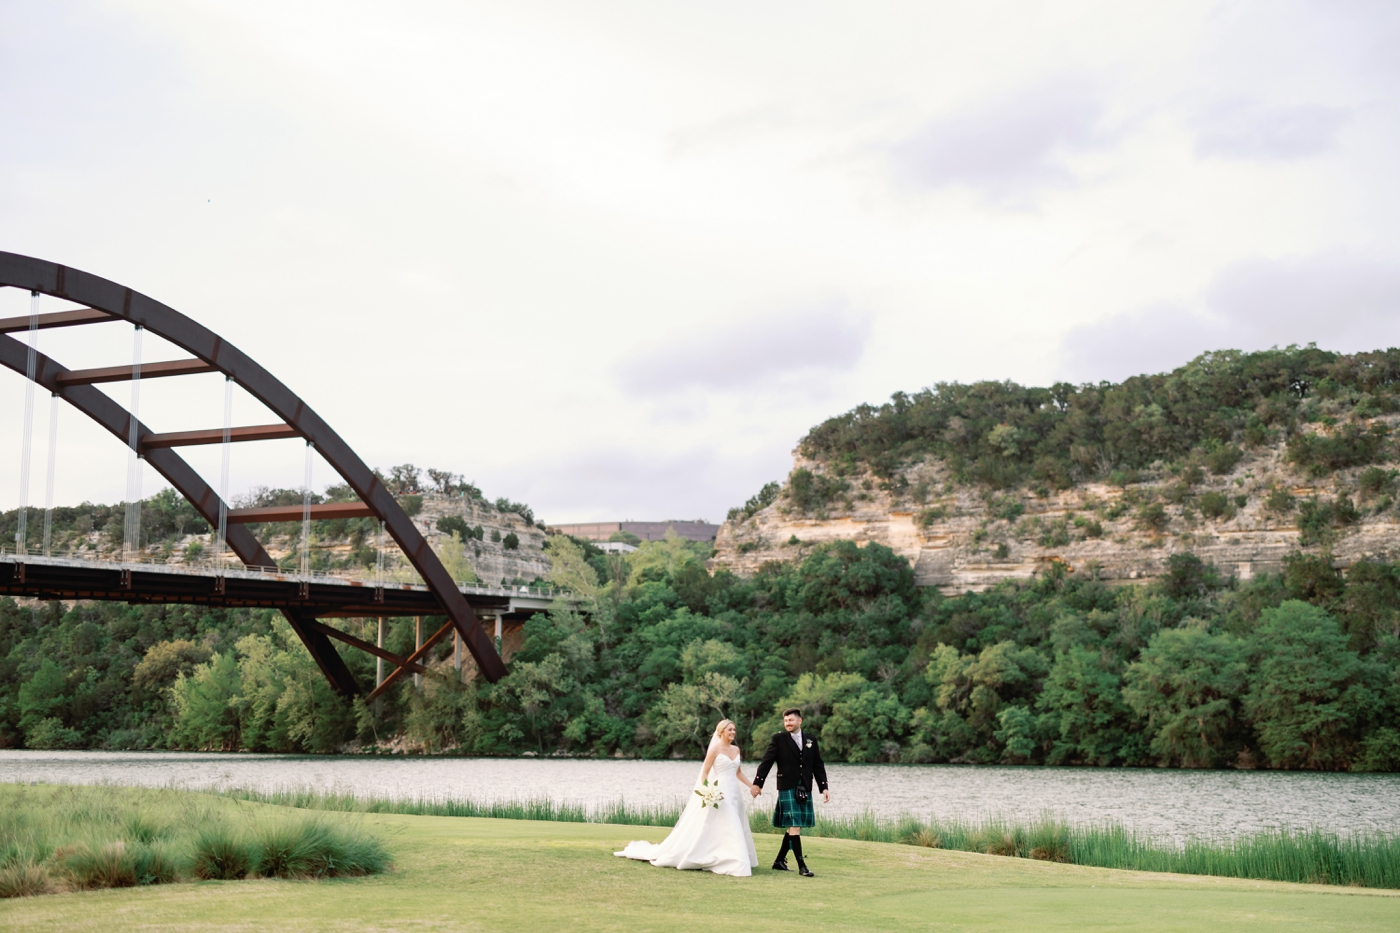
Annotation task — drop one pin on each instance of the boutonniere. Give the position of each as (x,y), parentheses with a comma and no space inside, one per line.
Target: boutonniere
(809,743)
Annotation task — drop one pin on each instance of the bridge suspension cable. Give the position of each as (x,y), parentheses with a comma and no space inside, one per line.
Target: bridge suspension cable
(306,517)
(26,444)
(48,482)
(220,549)
(131,537)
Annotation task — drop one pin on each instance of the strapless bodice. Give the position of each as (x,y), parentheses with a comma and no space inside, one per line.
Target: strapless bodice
(724,766)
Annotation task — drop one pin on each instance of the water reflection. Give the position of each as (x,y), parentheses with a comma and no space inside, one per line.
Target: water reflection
(1167,804)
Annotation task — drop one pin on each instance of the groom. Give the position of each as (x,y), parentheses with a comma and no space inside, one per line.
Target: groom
(799,760)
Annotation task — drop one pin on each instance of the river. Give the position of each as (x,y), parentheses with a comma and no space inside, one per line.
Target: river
(1166,804)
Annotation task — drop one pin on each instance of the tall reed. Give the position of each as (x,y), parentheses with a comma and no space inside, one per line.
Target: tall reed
(1309,856)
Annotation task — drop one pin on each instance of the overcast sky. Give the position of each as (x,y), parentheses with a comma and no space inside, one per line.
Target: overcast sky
(614,259)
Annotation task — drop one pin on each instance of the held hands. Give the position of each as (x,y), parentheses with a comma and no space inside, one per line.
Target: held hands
(826,796)
(755,789)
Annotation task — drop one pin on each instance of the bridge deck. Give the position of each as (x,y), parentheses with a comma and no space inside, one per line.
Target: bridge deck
(69,578)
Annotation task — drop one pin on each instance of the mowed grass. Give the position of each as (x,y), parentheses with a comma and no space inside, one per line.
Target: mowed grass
(453,873)
(1308,856)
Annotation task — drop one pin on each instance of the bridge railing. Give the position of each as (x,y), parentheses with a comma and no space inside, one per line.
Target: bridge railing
(210,568)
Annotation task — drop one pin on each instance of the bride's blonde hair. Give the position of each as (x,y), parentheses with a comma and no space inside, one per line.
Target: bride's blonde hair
(722,723)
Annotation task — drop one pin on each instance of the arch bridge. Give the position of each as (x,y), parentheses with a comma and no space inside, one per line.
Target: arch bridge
(303,598)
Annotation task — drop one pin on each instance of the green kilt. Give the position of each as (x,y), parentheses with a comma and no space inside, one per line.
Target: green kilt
(793,812)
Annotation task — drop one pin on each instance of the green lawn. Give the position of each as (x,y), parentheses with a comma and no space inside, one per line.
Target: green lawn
(482,874)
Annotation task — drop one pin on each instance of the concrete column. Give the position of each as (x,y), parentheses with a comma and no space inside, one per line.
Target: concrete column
(486,619)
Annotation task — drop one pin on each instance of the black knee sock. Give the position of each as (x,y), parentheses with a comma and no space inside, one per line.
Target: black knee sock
(787,844)
(797,847)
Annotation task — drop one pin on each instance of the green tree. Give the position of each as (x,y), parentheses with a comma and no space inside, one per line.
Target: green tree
(1310,694)
(1019,733)
(453,554)
(52,733)
(976,688)
(1187,685)
(43,697)
(867,726)
(527,701)
(205,715)
(656,560)
(167,660)
(816,695)
(441,716)
(1084,712)
(685,715)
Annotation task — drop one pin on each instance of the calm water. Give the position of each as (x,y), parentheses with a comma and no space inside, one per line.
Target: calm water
(1166,804)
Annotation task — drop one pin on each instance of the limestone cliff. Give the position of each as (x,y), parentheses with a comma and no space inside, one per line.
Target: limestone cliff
(963,538)
(491,560)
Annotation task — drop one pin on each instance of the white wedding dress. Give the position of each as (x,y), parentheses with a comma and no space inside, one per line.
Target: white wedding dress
(707,838)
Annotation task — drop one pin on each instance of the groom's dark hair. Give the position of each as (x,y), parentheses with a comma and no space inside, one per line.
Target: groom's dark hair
(793,711)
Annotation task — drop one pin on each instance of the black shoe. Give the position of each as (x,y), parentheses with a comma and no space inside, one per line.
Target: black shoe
(804,871)
(781,865)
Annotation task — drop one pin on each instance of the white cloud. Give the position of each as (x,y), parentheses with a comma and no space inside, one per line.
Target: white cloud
(759,351)
(1253,131)
(1340,302)
(1008,147)
(512,240)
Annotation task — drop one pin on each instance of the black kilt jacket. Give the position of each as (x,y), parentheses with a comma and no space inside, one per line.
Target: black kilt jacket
(796,768)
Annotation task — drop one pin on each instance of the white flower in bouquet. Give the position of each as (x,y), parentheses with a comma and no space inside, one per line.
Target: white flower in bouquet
(709,794)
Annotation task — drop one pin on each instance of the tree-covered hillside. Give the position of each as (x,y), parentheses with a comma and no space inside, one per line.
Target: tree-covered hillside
(1001,434)
(1299,670)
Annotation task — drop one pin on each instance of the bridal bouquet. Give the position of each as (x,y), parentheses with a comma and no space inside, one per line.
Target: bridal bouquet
(710,795)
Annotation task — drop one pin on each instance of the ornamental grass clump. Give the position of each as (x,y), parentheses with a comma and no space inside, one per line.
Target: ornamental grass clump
(118,864)
(316,849)
(24,879)
(86,867)
(220,855)
(155,863)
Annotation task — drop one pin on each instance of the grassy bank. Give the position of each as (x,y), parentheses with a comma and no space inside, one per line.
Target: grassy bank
(1302,856)
(78,838)
(535,808)
(492,874)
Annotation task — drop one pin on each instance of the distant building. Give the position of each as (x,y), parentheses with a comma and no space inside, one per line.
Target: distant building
(647,531)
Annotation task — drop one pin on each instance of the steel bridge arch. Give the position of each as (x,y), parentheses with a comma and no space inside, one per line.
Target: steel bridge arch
(110,301)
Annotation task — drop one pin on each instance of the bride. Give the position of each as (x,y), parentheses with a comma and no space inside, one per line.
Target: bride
(710,838)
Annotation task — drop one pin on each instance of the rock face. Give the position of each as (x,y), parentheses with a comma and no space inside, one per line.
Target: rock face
(490,559)
(961,538)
